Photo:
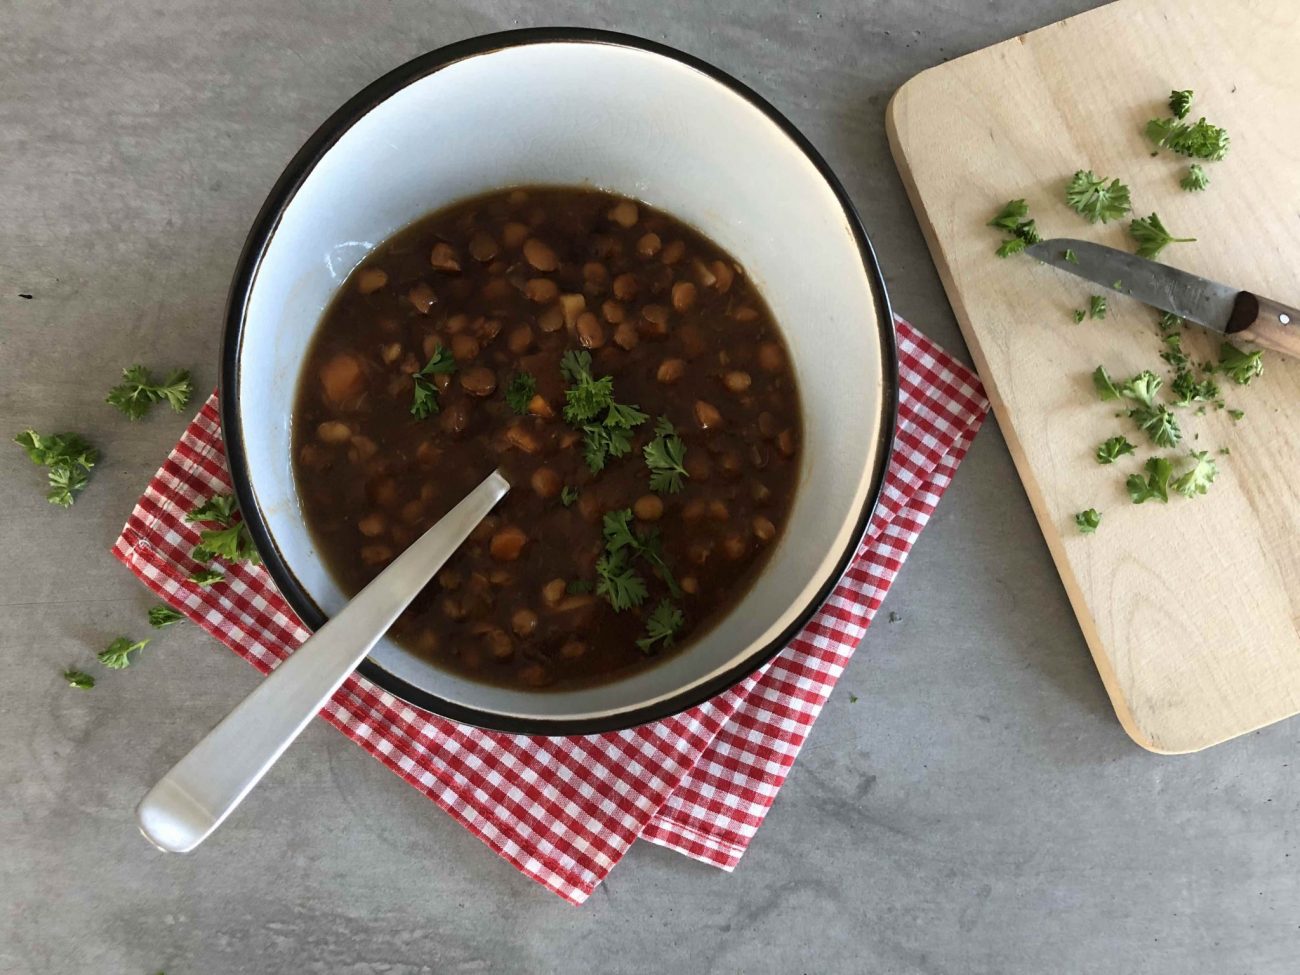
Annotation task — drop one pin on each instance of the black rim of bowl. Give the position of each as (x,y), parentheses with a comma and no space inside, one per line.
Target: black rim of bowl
(255,246)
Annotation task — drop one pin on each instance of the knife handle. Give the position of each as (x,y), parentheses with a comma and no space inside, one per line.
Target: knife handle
(1267,323)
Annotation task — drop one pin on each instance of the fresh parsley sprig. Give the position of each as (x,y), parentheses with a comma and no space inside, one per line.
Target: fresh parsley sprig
(661,628)
(664,456)
(230,540)
(117,655)
(1199,140)
(425,402)
(1152,237)
(1013,218)
(589,404)
(137,391)
(68,458)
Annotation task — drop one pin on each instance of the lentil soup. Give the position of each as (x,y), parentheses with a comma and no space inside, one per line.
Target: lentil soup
(628,380)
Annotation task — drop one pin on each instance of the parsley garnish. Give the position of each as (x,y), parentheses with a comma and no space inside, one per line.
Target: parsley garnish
(1070,256)
(1189,391)
(425,402)
(1195,179)
(1152,237)
(1090,197)
(1113,449)
(1236,414)
(1087,521)
(1079,315)
(79,679)
(618,583)
(589,404)
(615,578)
(1197,479)
(68,457)
(520,392)
(661,627)
(163,615)
(664,455)
(220,508)
(1180,102)
(1154,418)
(206,577)
(117,656)
(568,495)
(137,391)
(1156,485)
(1097,306)
(1200,139)
(1241,366)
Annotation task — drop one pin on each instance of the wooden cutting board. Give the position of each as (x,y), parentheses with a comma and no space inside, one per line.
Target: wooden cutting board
(1191,609)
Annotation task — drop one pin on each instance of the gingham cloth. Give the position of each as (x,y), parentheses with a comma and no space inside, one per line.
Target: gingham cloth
(565,810)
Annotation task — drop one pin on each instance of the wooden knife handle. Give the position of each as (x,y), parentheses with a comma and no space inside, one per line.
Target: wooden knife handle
(1265,322)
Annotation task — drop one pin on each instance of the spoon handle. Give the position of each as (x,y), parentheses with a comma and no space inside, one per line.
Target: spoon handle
(205,786)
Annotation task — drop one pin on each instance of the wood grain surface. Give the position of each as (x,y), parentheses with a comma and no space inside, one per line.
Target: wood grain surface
(1191,609)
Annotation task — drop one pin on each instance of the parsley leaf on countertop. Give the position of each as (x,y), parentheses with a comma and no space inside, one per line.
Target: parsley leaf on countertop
(1097,306)
(1113,449)
(1104,385)
(1090,197)
(117,656)
(1180,102)
(1087,521)
(1155,485)
(1199,140)
(1152,237)
(137,391)
(1241,366)
(1197,479)
(68,458)
(1195,179)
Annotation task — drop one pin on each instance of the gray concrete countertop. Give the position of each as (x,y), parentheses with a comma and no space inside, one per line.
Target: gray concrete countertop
(977,810)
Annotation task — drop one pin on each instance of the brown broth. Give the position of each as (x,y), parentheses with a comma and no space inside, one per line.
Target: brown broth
(667,313)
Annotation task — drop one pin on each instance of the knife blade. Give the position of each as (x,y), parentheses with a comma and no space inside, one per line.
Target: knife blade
(1188,296)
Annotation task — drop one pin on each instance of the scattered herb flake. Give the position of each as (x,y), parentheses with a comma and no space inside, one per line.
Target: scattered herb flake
(206,577)
(568,495)
(78,679)
(1236,414)
(1070,257)
(1079,315)
(1087,521)
(1010,216)
(1199,140)
(1180,102)
(1169,321)
(1097,306)
(425,402)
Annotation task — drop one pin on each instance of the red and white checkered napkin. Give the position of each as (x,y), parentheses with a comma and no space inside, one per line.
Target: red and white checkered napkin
(564,810)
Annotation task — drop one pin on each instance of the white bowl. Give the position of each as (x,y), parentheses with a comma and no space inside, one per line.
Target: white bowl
(568,106)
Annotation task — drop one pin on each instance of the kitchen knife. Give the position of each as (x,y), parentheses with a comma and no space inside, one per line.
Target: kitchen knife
(1218,307)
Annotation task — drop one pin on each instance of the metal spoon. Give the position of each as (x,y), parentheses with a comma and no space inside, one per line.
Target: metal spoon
(205,786)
